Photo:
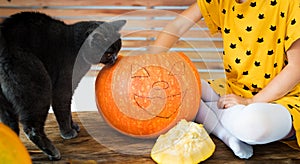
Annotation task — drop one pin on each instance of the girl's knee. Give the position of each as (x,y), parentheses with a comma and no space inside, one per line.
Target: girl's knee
(263,122)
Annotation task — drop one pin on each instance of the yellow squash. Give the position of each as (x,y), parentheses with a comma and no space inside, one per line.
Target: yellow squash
(186,143)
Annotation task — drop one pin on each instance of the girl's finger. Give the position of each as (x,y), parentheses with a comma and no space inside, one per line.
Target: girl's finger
(222,104)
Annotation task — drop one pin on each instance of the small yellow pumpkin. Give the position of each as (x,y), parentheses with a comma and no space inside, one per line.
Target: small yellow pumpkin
(146,95)
(12,150)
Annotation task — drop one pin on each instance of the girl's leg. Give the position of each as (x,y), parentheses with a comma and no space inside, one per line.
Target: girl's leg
(257,123)
(208,94)
(209,118)
(211,122)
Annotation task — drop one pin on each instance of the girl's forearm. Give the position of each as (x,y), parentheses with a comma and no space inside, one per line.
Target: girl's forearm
(174,30)
(281,85)
(164,41)
(286,80)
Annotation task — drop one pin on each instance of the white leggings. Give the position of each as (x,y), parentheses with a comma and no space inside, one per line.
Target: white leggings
(257,123)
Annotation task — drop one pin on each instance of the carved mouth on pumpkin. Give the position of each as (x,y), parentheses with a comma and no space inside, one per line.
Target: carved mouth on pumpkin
(160,106)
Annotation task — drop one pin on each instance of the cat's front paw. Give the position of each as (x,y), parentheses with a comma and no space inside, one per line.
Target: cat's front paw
(75,126)
(69,135)
(55,156)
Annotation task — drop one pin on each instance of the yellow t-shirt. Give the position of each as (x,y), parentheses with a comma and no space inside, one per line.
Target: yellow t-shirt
(256,35)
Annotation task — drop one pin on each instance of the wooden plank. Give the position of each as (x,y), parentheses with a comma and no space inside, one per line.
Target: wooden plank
(199,44)
(84,147)
(209,65)
(179,44)
(94,11)
(96,3)
(88,148)
(204,55)
(144,30)
(191,54)
(80,14)
(140,18)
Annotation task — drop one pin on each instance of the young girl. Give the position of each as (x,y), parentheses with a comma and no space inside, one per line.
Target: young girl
(261,42)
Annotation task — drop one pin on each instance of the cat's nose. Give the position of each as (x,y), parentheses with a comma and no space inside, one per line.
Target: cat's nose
(115,57)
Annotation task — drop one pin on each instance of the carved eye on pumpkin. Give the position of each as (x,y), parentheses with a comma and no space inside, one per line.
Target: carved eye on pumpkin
(144,96)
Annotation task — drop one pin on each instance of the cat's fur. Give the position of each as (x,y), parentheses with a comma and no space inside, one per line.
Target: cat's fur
(42,61)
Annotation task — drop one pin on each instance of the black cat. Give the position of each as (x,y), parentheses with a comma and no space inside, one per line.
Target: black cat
(42,61)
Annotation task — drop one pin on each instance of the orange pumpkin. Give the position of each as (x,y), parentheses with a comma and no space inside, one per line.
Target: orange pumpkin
(146,95)
(12,149)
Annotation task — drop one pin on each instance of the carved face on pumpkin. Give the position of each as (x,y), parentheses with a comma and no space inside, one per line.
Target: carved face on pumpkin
(156,90)
(146,95)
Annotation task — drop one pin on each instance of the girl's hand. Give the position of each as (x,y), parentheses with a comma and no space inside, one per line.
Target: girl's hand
(231,100)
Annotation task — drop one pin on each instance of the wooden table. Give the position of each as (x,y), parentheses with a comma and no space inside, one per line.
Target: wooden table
(98,143)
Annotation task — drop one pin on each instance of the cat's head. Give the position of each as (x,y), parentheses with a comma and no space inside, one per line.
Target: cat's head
(111,54)
(103,42)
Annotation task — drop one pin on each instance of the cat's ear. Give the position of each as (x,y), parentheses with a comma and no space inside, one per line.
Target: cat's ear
(118,24)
